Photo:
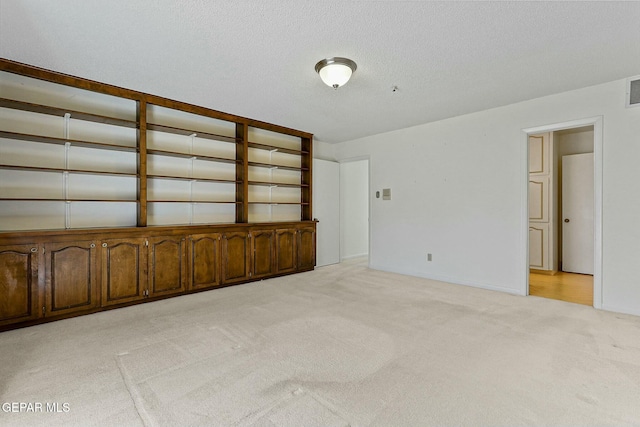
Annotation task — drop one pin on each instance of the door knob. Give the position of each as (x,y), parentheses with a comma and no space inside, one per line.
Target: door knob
(566,220)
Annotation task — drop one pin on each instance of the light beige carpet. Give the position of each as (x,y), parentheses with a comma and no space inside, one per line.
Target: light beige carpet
(340,346)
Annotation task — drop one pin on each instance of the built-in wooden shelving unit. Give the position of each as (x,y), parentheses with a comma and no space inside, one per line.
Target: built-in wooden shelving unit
(111,197)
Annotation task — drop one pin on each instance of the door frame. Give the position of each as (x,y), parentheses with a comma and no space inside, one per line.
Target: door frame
(597,123)
(369,201)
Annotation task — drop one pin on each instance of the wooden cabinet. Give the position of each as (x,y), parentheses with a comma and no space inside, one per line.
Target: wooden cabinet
(306,248)
(204,261)
(124,270)
(71,277)
(286,250)
(57,277)
(236,257)
(19,283)
(87,169)
(133,269)
(542,215)
(167,265)
(263,253)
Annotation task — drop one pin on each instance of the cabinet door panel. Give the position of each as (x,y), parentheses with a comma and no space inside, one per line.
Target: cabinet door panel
(538,246)
(235,256)
(18,283)
(167,265)
(286,250)
(539,154)
(71,277)
(539,199)
(204,256)
(263,250)
(306,249)
(123,270)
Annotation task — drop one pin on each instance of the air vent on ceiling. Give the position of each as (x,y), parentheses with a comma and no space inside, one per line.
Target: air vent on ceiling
(633,92)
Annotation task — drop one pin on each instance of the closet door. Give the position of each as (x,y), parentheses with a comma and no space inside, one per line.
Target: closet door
(326,207)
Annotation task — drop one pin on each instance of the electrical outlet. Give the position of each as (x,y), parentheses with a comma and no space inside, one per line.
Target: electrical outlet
(428,257)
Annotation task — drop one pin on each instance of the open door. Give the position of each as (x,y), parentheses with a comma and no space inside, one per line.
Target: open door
(577,213)
(326,207)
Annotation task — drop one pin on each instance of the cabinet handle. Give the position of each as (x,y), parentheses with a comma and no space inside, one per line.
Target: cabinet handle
(93,245)
(104,245)
(34,250)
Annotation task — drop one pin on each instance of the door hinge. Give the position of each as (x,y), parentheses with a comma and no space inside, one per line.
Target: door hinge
(43,311)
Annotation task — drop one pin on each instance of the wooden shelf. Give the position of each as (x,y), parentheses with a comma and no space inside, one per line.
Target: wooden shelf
(275,148)
(189,156)
(276,184)
(193,201)
(273,166)
(55,111)
(75,171)
(238,149)
(278,203)
(24,199)
(228,239)
(61,141)
(188,132)
(182,178)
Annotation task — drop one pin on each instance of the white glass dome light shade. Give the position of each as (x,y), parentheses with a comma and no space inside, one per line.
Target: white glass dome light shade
(335,72)
(335,75)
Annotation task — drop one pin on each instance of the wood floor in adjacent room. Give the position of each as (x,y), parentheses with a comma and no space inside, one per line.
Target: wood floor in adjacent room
(570,287)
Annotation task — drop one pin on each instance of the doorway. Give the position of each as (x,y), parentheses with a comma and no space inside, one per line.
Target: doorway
(354,209)
(546,248)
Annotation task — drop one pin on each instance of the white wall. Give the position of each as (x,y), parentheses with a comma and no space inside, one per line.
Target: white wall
(354,209)
(573,142)
(323,150)
(457,193)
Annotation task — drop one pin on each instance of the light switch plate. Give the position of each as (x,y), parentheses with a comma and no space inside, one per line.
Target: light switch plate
(386,194)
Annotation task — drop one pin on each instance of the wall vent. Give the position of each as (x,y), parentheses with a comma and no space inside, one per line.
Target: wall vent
(633,92)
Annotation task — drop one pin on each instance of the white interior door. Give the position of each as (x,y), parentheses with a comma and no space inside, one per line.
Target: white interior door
(577,213)
(326,207)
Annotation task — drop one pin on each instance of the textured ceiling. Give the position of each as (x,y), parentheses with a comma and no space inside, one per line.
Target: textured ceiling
(256,58)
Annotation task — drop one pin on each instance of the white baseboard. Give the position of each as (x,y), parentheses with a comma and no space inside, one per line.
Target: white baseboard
(345,258)
(451,280)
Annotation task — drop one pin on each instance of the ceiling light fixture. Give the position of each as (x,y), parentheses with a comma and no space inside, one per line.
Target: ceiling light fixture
(335,72)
